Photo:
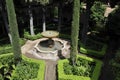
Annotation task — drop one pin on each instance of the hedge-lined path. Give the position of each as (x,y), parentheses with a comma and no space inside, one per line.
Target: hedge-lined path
(50,71)
(106,73)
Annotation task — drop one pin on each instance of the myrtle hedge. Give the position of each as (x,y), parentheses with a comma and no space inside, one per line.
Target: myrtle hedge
(94,75)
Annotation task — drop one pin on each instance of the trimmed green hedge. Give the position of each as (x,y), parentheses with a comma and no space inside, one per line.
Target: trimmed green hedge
(95,74)
(29,37)
(5,50)
(21,68)
(86,50)
(8,48)
(99,53)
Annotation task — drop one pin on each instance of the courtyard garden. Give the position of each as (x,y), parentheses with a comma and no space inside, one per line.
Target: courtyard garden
(59,40)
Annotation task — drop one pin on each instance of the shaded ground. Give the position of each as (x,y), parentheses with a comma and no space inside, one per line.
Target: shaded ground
(106,74)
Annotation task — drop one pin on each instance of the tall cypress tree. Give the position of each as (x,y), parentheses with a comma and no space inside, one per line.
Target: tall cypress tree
(14,30)
(75,31)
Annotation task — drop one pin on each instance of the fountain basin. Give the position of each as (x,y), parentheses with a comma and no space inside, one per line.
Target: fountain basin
(49,47)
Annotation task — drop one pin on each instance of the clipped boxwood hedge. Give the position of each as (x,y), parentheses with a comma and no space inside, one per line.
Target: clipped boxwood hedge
(98,53)
(34,37)
(8,48)
(27,69)
(95,74)
(5,49)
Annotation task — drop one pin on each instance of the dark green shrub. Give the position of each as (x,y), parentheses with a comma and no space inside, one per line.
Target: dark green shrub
(5,49)
(82,68)
(8,48)
(94,72)
(1,78)
(26,70)
(6,66)
(65,36)
(5,59)
(29,69)
(67,68)
(22,41)
(115,66)
(98,15)
(28,36)
(115,69)
(94,48)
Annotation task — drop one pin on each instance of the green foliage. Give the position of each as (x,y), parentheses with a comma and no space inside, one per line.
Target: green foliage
(26,69)
(98,11)
(43,2)
(82,68)
(81,7)
(35,68)
(97,16)
(65,36)
(6,71)
(65,63)
(75,30)
(22,41)
(115,68)
(1,78)
(5,49)
(29,37)
(6,59)
(13,30)
(98,49)
(6,66)
(67,68)
(8,49)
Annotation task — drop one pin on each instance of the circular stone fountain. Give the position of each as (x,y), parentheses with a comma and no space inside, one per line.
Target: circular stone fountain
(48,47)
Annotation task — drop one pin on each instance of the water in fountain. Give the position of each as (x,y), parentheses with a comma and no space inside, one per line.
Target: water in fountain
(50,45)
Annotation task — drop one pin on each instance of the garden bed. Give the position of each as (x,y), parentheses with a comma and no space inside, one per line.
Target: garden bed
(93,48)
(25,70)
(7,48)
(85,69)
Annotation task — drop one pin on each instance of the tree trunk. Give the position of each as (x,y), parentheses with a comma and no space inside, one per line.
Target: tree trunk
(75,31)
(44,23)
(86,22)
(5,21)
(31,22)
(85,29)
(13,30)
(59,16)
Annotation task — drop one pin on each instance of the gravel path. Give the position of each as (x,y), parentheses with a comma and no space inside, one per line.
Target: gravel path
(50,72)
